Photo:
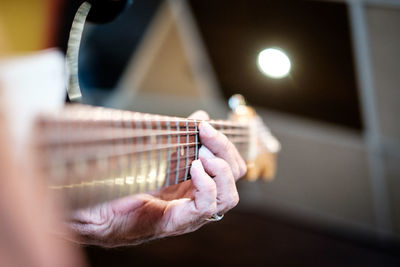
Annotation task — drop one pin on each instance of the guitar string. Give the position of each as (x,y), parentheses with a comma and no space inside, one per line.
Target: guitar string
(94,135)
(149,156)
(102,114)
(73,119)
(97,159)
(70,153)
(186,121)
(113,180)
(109,180)
(97,153)
(109,169)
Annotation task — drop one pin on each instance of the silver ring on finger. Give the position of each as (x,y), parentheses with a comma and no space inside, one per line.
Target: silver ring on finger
(215,217)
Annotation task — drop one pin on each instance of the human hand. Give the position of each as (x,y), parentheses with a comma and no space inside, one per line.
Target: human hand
(174,210)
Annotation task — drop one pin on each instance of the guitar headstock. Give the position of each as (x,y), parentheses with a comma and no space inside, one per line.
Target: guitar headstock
(263,146)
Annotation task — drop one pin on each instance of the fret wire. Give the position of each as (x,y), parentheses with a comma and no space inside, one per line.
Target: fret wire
(138,126)
(127,168)
(187,152)
(114,164)
(69,194)
(246,154)
(243,150)
(178,154)
(158,126)
(109,168)
(169,154)
(196,141)
(149,155)
(77,194)
(117,123)
(144,166)
(130,179)
(79,198)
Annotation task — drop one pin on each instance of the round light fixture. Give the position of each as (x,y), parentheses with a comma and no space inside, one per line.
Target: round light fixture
(274,63)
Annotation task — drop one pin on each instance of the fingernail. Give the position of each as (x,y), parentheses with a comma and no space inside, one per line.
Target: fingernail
(205,153)
(207,129)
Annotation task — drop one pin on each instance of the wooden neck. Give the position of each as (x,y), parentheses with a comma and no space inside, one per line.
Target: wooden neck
(94,154)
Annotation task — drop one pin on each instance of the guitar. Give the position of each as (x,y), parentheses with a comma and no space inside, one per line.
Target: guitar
(95,154)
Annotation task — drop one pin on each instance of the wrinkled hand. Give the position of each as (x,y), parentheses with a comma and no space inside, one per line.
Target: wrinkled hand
(174,210)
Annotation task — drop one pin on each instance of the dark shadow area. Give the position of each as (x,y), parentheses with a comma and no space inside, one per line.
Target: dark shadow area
(247,238)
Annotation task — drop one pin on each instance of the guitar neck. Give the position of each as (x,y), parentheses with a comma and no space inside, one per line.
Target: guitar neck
(94,154)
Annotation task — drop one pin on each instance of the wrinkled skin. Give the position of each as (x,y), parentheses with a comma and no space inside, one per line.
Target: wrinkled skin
(174,210)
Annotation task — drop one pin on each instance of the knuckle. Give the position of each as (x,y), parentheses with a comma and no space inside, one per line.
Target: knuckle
(224,166)
(209,211)
(226,145)
(243,169)
(234,200)
(236,172)
(211,189)
(230,202)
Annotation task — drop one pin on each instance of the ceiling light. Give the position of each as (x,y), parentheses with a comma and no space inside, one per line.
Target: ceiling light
(274,63)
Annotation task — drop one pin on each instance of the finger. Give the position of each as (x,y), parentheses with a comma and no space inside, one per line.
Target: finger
(185,214)
(205,193)
(199,115)
(227,194)
(205,153)
(242,166)
(220,145)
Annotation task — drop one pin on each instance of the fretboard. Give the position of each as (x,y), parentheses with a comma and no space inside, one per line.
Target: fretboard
(94,154)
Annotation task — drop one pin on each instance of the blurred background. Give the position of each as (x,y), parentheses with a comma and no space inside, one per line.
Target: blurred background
(335,200)
(324,76)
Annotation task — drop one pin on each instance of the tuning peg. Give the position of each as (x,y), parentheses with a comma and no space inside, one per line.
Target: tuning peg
(235,101)
(263,146)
